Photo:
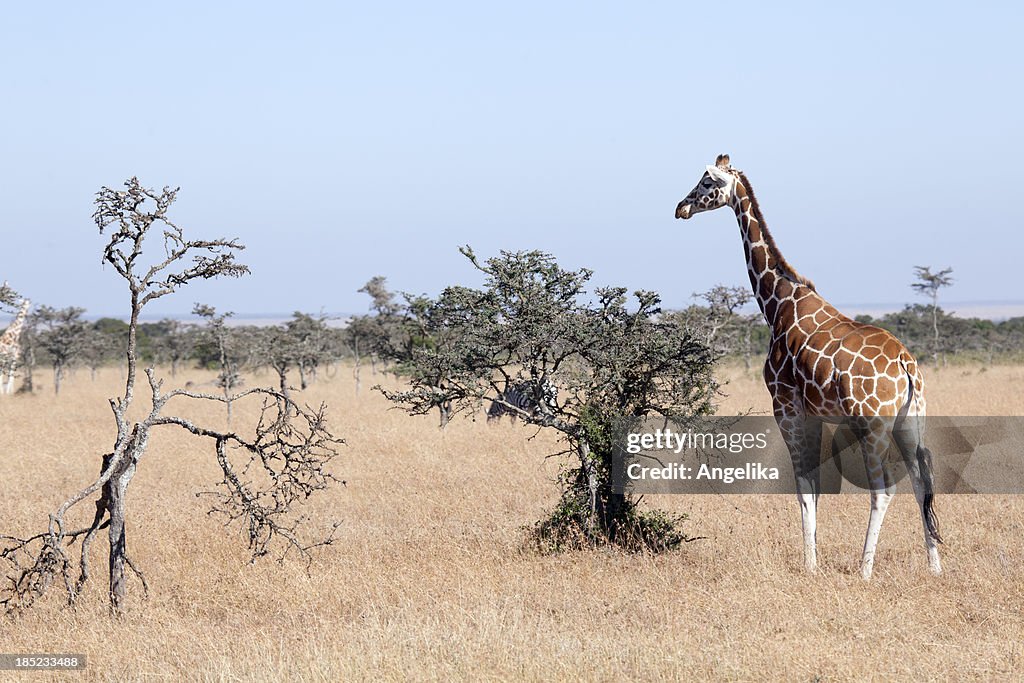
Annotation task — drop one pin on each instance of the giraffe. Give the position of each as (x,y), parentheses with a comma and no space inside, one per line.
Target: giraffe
(10,348)
(822,364)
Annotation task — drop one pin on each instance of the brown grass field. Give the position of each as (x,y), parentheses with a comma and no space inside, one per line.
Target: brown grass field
(429,580)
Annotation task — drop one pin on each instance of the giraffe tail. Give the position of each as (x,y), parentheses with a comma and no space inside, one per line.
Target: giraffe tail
(931,520)
(911,444)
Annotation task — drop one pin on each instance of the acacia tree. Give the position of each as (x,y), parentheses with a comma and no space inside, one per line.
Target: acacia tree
(310,342)
(534,325)
(219,337)
(928,285)
(277,350)
(176,344)
(100,347)
(427,343)
(720,322)
(291,444)
(387,320)
(9,299)
(382,300)
(375,336)
(63,335)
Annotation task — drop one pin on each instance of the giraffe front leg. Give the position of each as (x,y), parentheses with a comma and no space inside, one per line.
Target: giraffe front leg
(803,440)
(808,501)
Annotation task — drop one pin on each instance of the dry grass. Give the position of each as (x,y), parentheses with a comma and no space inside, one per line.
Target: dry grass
(428,579)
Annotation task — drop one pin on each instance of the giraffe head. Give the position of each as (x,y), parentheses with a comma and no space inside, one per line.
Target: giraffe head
(712,192)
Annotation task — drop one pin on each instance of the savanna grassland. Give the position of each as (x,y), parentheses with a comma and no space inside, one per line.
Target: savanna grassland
(429,579)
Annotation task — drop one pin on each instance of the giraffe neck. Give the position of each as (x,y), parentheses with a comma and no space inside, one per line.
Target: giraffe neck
(11,334)
(773,280)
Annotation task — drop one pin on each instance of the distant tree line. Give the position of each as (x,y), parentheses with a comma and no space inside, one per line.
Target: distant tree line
(744,336)
(931,333)
(308,345)
(62,341)
(970,339)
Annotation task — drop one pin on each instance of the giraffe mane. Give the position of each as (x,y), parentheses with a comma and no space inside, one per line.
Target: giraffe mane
(784,266)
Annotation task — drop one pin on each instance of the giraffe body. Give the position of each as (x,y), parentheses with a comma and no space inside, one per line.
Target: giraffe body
(822,364)
(10,349)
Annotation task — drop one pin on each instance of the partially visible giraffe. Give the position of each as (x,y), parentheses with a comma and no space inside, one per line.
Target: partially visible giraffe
(822,364)
(10,348)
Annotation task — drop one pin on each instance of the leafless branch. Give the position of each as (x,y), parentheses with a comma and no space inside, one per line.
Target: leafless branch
(264,476)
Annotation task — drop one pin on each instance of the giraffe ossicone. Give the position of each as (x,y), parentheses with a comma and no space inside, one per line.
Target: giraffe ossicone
(823,364)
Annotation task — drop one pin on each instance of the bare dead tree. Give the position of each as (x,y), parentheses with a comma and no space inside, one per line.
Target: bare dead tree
(263,476)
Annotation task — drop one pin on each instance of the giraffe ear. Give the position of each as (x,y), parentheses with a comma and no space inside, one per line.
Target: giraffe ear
(722,161)
(720,175)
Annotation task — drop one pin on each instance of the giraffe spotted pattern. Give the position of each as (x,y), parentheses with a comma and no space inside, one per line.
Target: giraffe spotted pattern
(822,364)
(10,349)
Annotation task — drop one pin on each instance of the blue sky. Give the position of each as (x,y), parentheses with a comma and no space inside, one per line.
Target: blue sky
(340,141)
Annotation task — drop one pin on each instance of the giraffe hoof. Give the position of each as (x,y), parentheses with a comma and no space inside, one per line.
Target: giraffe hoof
(865,572)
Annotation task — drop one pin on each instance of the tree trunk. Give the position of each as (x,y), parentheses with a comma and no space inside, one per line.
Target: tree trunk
(282,376)
(26,380)
(356,372)
(606,506)
(593,484)
(116,490)
(746,348)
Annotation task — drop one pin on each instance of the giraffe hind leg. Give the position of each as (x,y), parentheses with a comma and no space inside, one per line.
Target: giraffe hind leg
(872,433)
